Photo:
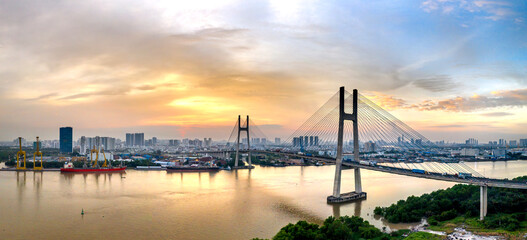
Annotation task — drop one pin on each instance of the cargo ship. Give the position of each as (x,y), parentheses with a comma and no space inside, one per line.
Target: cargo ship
(68,167)
(193,168)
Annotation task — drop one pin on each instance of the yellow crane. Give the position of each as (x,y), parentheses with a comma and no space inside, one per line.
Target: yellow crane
(20,153)
(96,156)
(104,155)
(35,155)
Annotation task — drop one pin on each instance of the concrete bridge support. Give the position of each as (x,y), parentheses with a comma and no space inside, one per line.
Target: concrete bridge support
(240,129)
(483,202)
(337,197)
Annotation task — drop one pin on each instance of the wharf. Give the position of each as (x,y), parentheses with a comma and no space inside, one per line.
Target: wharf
(347,197)
(243,167)
(30,170)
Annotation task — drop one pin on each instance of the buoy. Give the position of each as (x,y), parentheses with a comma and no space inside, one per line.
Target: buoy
(82,213)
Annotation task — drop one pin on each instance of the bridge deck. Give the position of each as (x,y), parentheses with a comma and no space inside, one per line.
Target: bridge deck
(502,183)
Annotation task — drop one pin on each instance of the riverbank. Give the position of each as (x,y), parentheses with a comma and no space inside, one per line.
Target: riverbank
(455,209)
(476,227)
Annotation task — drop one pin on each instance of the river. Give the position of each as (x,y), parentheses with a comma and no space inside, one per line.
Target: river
(226,205)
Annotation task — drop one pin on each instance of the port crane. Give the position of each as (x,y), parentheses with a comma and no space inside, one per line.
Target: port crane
(105,160)
(35,155)
(94,163)
(20,153)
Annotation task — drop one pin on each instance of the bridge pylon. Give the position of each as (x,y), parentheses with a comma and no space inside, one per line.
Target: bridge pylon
(240,129)
(337,197)
(483,202)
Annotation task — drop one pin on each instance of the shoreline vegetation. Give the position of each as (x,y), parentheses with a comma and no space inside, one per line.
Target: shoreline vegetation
(445,210)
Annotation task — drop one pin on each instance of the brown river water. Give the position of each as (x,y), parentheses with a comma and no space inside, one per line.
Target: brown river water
(225,205)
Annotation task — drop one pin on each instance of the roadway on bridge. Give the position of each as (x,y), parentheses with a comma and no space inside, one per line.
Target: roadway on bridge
(490,182)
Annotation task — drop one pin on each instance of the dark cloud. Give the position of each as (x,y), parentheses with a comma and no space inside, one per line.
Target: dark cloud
(440,83)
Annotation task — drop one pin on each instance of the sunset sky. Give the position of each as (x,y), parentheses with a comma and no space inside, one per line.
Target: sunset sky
(175,69)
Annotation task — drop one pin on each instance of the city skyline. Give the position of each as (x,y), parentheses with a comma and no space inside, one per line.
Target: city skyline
(177,70)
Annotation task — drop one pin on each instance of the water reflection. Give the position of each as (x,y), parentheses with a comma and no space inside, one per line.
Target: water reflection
(21,186)
(357,207)
(38,177)
(104,178)
(238,204)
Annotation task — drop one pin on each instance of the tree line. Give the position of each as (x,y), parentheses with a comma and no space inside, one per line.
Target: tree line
(506,207)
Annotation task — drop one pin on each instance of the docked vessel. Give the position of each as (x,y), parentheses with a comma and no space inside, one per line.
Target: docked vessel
(68,167)
(193,168)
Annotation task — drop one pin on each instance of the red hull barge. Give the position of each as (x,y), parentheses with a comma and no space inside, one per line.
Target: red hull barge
(98,170)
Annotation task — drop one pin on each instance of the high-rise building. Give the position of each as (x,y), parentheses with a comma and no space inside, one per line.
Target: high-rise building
(108,143)
(296,142)
(97,142)
(66,139)
(154,141)
(35,145)
(82,145)
(523,142)
(15,142)
(369,146)
(316,140)
(513,143)
(276,140)
(139,139)
(129,139)
(306,141)
(311,142)
(207,142)
(502,142)
(471,141)
(90,142)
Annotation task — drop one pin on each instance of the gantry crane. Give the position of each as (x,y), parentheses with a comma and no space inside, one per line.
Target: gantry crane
(18,154)
(104,155)
(96,156)
(35,155)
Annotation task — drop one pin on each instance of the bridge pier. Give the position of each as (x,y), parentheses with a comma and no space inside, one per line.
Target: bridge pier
(337,197)
(358,184)
(246,129)
(483,202)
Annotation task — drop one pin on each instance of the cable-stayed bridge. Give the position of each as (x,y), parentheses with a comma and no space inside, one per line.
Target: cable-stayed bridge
(350,130)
